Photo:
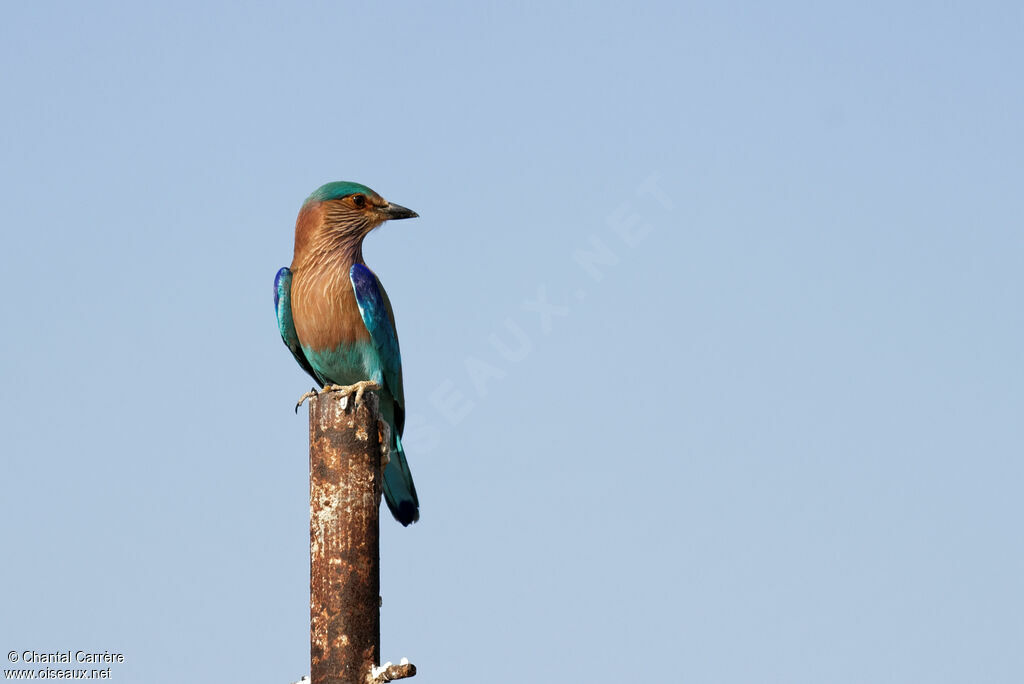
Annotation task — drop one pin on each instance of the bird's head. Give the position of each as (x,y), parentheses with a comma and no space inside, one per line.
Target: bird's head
(350,210)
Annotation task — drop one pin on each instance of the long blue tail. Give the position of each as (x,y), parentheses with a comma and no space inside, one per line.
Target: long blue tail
(399,490)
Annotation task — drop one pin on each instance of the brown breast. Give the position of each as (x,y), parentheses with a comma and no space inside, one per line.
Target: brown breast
(323,304)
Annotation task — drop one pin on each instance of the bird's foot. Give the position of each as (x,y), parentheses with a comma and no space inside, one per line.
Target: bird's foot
(357,388)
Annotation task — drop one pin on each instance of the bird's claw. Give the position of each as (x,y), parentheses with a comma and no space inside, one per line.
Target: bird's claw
(311,393)
(358,388)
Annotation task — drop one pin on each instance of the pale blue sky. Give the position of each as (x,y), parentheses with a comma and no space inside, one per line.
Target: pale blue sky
(773,435)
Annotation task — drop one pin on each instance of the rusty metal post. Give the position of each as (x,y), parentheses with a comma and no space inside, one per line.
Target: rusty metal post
(344,538)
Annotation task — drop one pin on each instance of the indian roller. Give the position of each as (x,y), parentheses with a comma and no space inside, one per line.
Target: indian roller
(336,319)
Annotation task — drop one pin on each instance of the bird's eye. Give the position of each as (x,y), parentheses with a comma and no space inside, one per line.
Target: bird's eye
(359,201)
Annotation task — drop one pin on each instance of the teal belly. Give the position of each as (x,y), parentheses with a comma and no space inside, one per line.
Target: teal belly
(346,364)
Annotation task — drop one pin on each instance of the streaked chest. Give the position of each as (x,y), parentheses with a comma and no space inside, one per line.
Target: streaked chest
(324,307)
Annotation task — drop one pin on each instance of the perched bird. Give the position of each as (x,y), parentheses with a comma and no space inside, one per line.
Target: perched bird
(336,319)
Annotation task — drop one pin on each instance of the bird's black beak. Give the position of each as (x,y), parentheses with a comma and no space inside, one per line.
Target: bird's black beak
(395,211)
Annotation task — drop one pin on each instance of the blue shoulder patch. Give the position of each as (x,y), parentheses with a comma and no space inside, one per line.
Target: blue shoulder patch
(285,272)
(365,284)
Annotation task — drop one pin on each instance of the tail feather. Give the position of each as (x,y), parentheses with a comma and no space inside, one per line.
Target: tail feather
(399,490)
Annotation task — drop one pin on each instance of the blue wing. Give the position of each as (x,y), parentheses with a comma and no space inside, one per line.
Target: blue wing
(283,305)
(380,323)
(399,490)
